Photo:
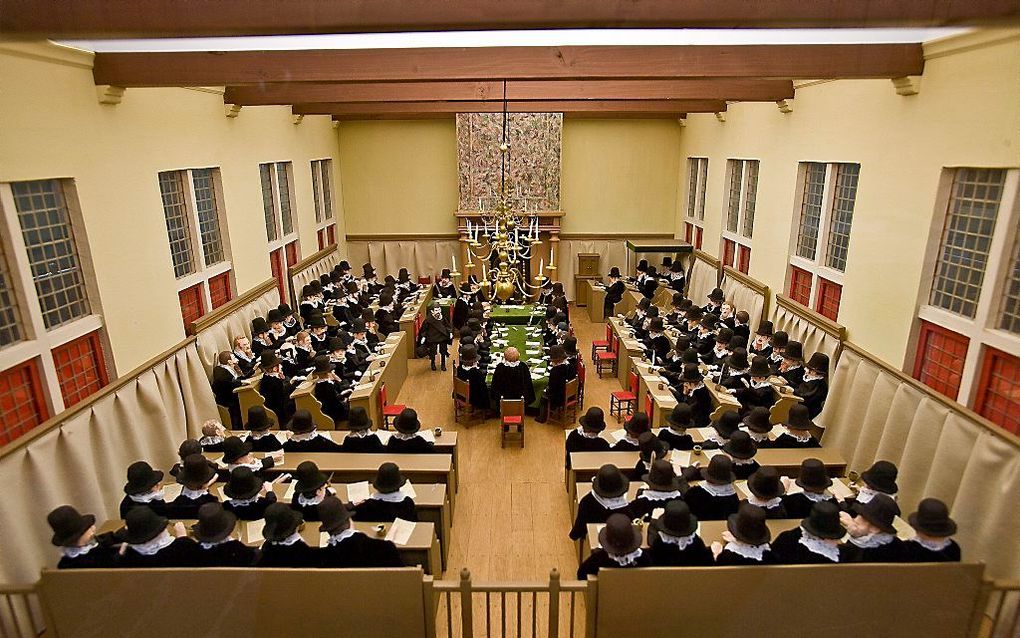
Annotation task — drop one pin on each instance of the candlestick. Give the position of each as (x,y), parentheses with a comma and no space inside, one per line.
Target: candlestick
(454,258)
(552,255)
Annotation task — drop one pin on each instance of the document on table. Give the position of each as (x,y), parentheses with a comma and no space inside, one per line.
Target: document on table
(408,490)
(253,532)
(532,351)
(683,458)
(384,435)
(357,492)
(428,435)
(171,491)
(282,435)
(288,496)
(617,435)
(400,531)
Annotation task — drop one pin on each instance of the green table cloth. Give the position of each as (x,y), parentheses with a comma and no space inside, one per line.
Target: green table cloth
(518,315)
(525,339)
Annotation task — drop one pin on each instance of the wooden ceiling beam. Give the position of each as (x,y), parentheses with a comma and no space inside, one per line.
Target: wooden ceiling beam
(804,61)
(348,109)
(183,18)
(744,90)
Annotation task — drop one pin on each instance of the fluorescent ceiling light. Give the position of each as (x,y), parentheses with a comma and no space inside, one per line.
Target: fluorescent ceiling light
(535,38)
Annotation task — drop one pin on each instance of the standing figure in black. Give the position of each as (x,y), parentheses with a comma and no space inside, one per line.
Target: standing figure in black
(436,334)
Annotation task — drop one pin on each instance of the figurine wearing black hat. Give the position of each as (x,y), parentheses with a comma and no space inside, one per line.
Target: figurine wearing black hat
(694,393)
(722,430)
(444,287)
(274,387)
(673,538)
(880,478)
(817,541)
(778,342)
(740,327)
(216,548)
(226,378)
(814,482)
(619,546)
(75,535)
(735,373)
(747,539)
(637,318)
(361,438)
(318,332)
(247,495)
(675,316)
(298,357)
(259,434)
(469,369)
(675,434)
(213,434)
(633,428)
(463,304)
(792,366)
(614,292)
(284,546)
(143,489)
(277,331)
(664,487)
(386,316)
(290,322)
(238,453)
(436,334)
(311,485)
(657,344)
(720,352)
(408,438)
(243,355)
(757,423)
(585,437)
(555,394)
(766,490)
(741,450)
(608,495)
(306,437)
(715,301)
(388,500)
(650,284)
(797,430)
(309,303)
(759,393)
(347,547)
(715,497)
(676,276)
(933,529)
(261,341)
(761,345)
(873,536)
(815,385)
(151,544)
(545,293)
(330,390)
(196,476)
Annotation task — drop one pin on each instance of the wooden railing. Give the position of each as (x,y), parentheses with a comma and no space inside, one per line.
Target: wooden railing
(829,330)
(230,307)
(1003,616)
(20,613)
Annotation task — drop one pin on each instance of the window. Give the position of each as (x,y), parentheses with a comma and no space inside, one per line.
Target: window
(742,178)
(322,196)
(821,241)
(693,234)
(941,355)
(697,180)
(52,352)
(276,267)
(973,288)
(192,207)
(277,200)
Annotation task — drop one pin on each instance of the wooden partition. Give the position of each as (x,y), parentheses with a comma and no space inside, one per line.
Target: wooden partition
(239,603)
(815,332)
(215,331)
(702,276)
(837,601)
(309,268)
(746,294)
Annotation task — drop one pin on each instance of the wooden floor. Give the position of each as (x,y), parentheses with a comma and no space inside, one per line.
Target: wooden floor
(512,514)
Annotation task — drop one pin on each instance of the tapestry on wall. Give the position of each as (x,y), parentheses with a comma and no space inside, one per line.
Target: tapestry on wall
(534,169)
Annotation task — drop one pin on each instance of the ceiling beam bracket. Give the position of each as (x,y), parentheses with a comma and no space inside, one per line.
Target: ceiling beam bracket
(109,94)
(231,110)
(785,106)
(720,116)
(296,119)
(907,85)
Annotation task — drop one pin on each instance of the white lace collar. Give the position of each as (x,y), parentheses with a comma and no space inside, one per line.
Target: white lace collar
(336,539)
(700,385)
(737,461)
(194,495)
(866,494)
(810,375)
(467,366)
(817,497)
(147,498)
(725,489)
(205,545)
(614,503)
(258,436)
(238,502)
(753,552)
(510,364)
(870,541)
(629,439)
(391,497)
(769,504)
(587,435)
(933,546)
(681,542)
(305,436)
(627,559)
(360,434)
(775,355)
(255,465)
(290,540)
(407,437)
(757,437)
(800,436)
(303,501)
(75,552)
(818,546)
(658,495)
(210,440)
(764,383)
(716,438)
(149,548)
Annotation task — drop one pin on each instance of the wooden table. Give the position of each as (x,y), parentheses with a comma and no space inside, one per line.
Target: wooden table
(596,293)
(446,443)
(391,371)
(630,349)
(408,320)
(650,394)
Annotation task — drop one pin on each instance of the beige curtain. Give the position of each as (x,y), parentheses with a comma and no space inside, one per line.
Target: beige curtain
(872,413)
(800,328)
(613,253)
(743,297)
(313,271)
(423,257)
(219,336)
(703,279)
(82,460)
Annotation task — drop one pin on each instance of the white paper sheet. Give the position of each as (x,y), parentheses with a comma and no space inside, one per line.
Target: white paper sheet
(357,492)
(400,531)
(618,435)
(384,435)
(171,491)
(253,532)
(288,496)
(408,490)
(428,435)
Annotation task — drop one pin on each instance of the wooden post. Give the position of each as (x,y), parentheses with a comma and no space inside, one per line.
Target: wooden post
(554,603)
(466,620)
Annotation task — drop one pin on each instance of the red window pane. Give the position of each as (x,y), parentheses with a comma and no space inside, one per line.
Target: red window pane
(940,357)
(998,398)
(22,406)
(293,255)
(728,252)
(688,232)
(219,290)
(321,236)
(276,265)
(827,302)
(743,258)
(81,369)
(699,234)
(192,304)
(331,234)
(800,285)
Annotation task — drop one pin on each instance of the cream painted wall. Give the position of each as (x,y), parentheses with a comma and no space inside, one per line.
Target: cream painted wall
(53,126)
(619,176)
(966,114)
(399,177)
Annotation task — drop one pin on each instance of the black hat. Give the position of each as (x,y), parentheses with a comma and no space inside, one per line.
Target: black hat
(823,521)
(550,312)
(678,299)
(727,424)
(614,272)
(880,511)
(652,271)
(141,478)
(655,325)
(358,419)
(358,326)
(196,472)
(757,420)
(695,313)
(557,353)
(676,266)
(650,446)
(368,316)
(690,357)
(465,286)
(794,351)
(748,524)
(351,286)
(322,363)
(594,420)
(667,261)
(765,483)
(661,476)
(445,274)
(301,422)
(620,536)
(214,523)
(316,320)
(881,477)
(324,279)
(719,470)
(407,421)
(344,265)
(765,328)
(644,303)
(268,360)
(932,518)
(284,310)
(692,373)
(709,320)
(653,311)
(637,424)
(716,294)
(570,346)
(683,343)
(274,316)
(738,359)
(258,419)
(388,479)
(724,335)
(468,354)
(610,482)
(676,520)
(334,515)
(259,325)
(760,367)
(308,477)
(681,416)
(558,289)
(333,345)
(68,525)
(281,522)
(819,362)
(234,448)
(189,447)
(642,265)
(315,286)
(143,525)
(307,291)
(813,475)
(403,275)
(740,446)
(243,484)
(737,341)
(799,418)
(779,339)
(367,270)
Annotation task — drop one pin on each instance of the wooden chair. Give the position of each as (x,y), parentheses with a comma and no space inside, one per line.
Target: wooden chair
(623,402)
(511,414)
(559,414)
(603,345)
(461,399)
(607,361)
(389,412)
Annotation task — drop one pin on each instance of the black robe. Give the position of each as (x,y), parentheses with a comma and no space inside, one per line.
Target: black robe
(590,510)
(784,440)
(267,443)
(893,552)
(223,385)
(475,378)
(378,511)
(676,441)
(577,442)
(184,507)
(614,294)
(599,559)
(648,287)
(316,444)
(440,291)
(799,506)
(277,392)
(331,394)
(914,552)
(414,445)
(794,377)
(668,555)
(180,553)
(745,470)
(556,391)
(813,393)
(232,553)
(371,444)
(360,550)
(253,511)
(710,508)
(99,557)
(126,505)
(727,558)
(295,556)
(512,383)
(643,507)
(701,404)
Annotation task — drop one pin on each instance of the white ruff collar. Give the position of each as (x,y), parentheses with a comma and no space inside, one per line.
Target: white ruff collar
(75,552)
(866,494)
(870,541)
(769,504)
(934,546)
(336,539)
(219,542)
(305,436)
(726,489)
(149,548)
(290,540)
(510,364)
(818,545)
(305,502)
(627,559)
(681,542)
(587,435)
(753,552)
(815,497)
(146,498)
(657,495)
(391,497)
(615,503)
(193,494)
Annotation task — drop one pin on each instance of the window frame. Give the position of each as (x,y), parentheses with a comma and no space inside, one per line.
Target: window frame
(738,238)
(697,198)
(319,195)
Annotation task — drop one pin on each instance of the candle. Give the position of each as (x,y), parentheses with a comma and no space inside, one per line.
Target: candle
(454,258)
(541,266)
(552,255)
(485,274)
(469,228)
(653,358)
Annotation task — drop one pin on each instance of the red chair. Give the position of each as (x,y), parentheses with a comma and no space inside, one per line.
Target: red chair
(389,412)
(648,407)
(559,415)
(424,280)
(622,403)
(581,372)
(511,415)
(600,345)
(608,360)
